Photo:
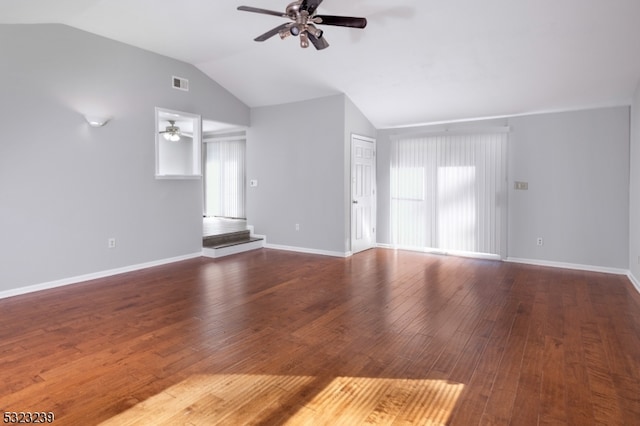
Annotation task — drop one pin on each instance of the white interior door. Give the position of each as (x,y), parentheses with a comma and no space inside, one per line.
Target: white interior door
(363,193)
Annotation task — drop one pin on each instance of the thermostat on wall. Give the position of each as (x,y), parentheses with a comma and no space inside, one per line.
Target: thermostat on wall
(522,186)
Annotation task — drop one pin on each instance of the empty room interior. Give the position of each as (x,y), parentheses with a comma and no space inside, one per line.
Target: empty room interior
(320,212)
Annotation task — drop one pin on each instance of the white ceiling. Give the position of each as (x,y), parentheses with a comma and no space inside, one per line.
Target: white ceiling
(418,61)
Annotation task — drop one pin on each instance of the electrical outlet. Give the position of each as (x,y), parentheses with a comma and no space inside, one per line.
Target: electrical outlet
(111,243)
(539,241)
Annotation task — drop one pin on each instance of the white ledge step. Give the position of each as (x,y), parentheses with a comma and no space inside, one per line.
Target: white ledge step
(232,249)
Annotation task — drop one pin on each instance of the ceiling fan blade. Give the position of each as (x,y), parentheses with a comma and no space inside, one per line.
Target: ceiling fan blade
(263,11)
(320,43)
(310,5)
(271,33)
(341,21)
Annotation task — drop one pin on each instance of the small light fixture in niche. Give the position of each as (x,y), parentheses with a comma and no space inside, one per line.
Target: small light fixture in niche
(178,144)
(96,121)
(172,132)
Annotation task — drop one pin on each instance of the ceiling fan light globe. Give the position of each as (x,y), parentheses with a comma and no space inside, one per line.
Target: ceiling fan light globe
(167,136)
(175,137)
(295,30)
(314,31)
(284,34)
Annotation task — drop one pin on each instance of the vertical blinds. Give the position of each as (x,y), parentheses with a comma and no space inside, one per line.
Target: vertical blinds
(448,192)
(225,178)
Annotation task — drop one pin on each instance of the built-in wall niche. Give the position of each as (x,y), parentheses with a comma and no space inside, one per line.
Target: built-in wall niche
(178,142)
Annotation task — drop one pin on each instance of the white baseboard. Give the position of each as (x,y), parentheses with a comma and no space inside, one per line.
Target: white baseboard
(535,262)
(308,251)
(472,255)
(564,265)
(96,275)
(103,274)
(634,281)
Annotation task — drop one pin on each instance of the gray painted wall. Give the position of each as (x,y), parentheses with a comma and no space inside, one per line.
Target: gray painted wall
(299,153)
(577,167)
(65,187)
(634,209)
(295,151)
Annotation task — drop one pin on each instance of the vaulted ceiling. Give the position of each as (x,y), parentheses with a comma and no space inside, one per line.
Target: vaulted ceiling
(418,61)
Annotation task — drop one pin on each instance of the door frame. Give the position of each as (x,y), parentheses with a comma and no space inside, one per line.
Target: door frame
(374,209)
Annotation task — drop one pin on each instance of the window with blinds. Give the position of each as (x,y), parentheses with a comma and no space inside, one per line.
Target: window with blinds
(448,193)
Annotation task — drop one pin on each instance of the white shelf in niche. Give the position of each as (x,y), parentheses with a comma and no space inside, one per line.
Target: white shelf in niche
(179,159)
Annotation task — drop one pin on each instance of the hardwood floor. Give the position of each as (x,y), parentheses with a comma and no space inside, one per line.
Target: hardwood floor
(270,337)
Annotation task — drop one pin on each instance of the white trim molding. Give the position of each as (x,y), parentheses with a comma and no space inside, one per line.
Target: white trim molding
(458,253)
(385,246)
(88,277)
(452,131)
(238,248)
(563,265)
(497,117)
(215,253)
(363,138)
(535,262)
(308,250)
(634,281)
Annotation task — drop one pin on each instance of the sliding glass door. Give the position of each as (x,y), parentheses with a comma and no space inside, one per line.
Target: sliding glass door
(448,193)
(225,176)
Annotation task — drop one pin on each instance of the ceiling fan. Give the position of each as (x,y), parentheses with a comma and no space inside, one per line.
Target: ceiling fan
(172,132)
(303,15)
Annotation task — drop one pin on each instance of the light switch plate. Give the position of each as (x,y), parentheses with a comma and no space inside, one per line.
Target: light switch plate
(521,186)
(253,183)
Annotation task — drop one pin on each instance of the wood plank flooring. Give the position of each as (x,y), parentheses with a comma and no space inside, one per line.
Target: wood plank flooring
(270,337)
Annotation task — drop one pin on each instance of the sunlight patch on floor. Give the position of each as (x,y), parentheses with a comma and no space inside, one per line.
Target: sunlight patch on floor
(294,400)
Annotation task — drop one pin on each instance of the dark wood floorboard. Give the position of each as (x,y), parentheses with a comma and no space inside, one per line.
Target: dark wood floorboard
(384,337)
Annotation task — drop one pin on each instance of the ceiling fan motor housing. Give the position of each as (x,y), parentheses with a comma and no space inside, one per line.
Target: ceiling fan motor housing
(293,9)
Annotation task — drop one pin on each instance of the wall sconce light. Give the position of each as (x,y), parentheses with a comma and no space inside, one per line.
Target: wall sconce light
(96,121)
